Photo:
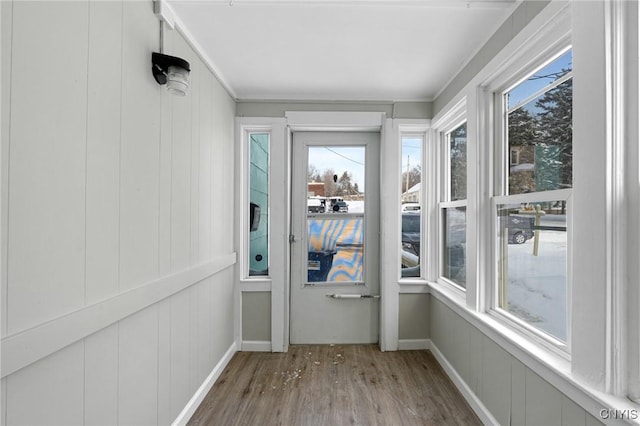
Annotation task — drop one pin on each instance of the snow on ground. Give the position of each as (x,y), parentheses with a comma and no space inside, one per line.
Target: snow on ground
(355,206)
(537,285)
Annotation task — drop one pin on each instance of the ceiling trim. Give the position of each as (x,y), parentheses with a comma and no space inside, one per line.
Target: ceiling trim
(165,13)
(440,4)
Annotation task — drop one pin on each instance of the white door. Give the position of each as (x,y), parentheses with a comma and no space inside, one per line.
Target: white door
(335,238)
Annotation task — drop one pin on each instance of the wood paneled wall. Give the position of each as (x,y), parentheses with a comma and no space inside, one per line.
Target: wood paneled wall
(510,390)
(117,285)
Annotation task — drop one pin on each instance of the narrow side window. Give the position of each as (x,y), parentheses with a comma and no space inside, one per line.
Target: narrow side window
(411,190)
(258,204)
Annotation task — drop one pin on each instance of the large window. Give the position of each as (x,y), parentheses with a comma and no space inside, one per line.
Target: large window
(533,202)
(453,206)
(411,190)
(258,204)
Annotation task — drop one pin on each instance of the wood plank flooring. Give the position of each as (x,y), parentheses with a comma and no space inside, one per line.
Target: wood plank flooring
(334,385)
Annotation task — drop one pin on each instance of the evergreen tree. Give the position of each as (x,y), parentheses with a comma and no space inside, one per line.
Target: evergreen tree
(523,128)
(524,135)
(458,159)
(556,127)
(344,184)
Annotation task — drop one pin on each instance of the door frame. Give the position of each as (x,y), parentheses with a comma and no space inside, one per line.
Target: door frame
(356,328)
(303,121)
(277,284)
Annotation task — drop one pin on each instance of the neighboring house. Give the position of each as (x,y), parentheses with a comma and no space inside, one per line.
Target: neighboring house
(315,189)
(412,195)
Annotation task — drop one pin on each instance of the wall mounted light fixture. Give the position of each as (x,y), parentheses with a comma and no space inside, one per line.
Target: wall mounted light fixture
(172,71)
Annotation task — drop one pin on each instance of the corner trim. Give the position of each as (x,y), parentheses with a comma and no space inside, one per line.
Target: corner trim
(478,407)
(189,410)
(165,12)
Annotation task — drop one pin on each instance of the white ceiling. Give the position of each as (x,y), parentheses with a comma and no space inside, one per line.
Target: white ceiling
(357,50)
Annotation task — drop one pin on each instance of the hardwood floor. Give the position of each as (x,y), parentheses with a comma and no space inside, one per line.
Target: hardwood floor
(334,385)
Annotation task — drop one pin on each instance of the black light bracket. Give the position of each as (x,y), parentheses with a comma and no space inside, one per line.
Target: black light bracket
(161,63)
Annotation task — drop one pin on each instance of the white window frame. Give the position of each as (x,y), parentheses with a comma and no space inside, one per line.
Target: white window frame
(417,132)
(245,196)
(513,162)
(502,161)
(625,38)
(277,282)
(450,121)
(549,342)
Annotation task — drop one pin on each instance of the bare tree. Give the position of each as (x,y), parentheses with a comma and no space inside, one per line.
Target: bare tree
(330,187)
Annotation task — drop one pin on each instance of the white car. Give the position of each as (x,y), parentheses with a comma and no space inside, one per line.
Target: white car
(315,205)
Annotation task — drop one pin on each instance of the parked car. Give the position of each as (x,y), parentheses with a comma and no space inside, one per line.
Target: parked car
(340,207)
(411,207)
(315,205)
(519,228)
(410,244)
(411,232)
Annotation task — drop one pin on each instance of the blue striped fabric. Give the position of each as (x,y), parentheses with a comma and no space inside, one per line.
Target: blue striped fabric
(344,236)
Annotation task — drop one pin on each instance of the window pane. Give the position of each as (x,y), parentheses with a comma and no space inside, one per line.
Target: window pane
(411,203)
(546,76)
(455,242)
(540,132)
(336,249)
(259,204)
(533,265)
(335,214)
(336,179)
(458,163)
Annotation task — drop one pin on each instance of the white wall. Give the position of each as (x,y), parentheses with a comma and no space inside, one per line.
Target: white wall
(511,391)
(117,285)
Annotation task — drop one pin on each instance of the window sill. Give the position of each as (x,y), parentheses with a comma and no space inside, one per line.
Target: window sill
(451,290)
(552,367)
(413,285)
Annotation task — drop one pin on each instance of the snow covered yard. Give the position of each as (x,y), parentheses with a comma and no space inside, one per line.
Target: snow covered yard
(537,285)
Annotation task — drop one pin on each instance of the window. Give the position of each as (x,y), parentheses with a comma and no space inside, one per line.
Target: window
(258,204)
(412,146)
(532,206)
(514,159)
(453,207)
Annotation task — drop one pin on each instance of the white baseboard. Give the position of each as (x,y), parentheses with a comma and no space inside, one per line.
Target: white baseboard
(478,407)
(205,387)
(413,344)
(256,346)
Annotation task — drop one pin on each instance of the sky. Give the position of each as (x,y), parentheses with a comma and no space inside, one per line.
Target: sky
(534,83)
(340,159)
(352,159)
(411,152)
